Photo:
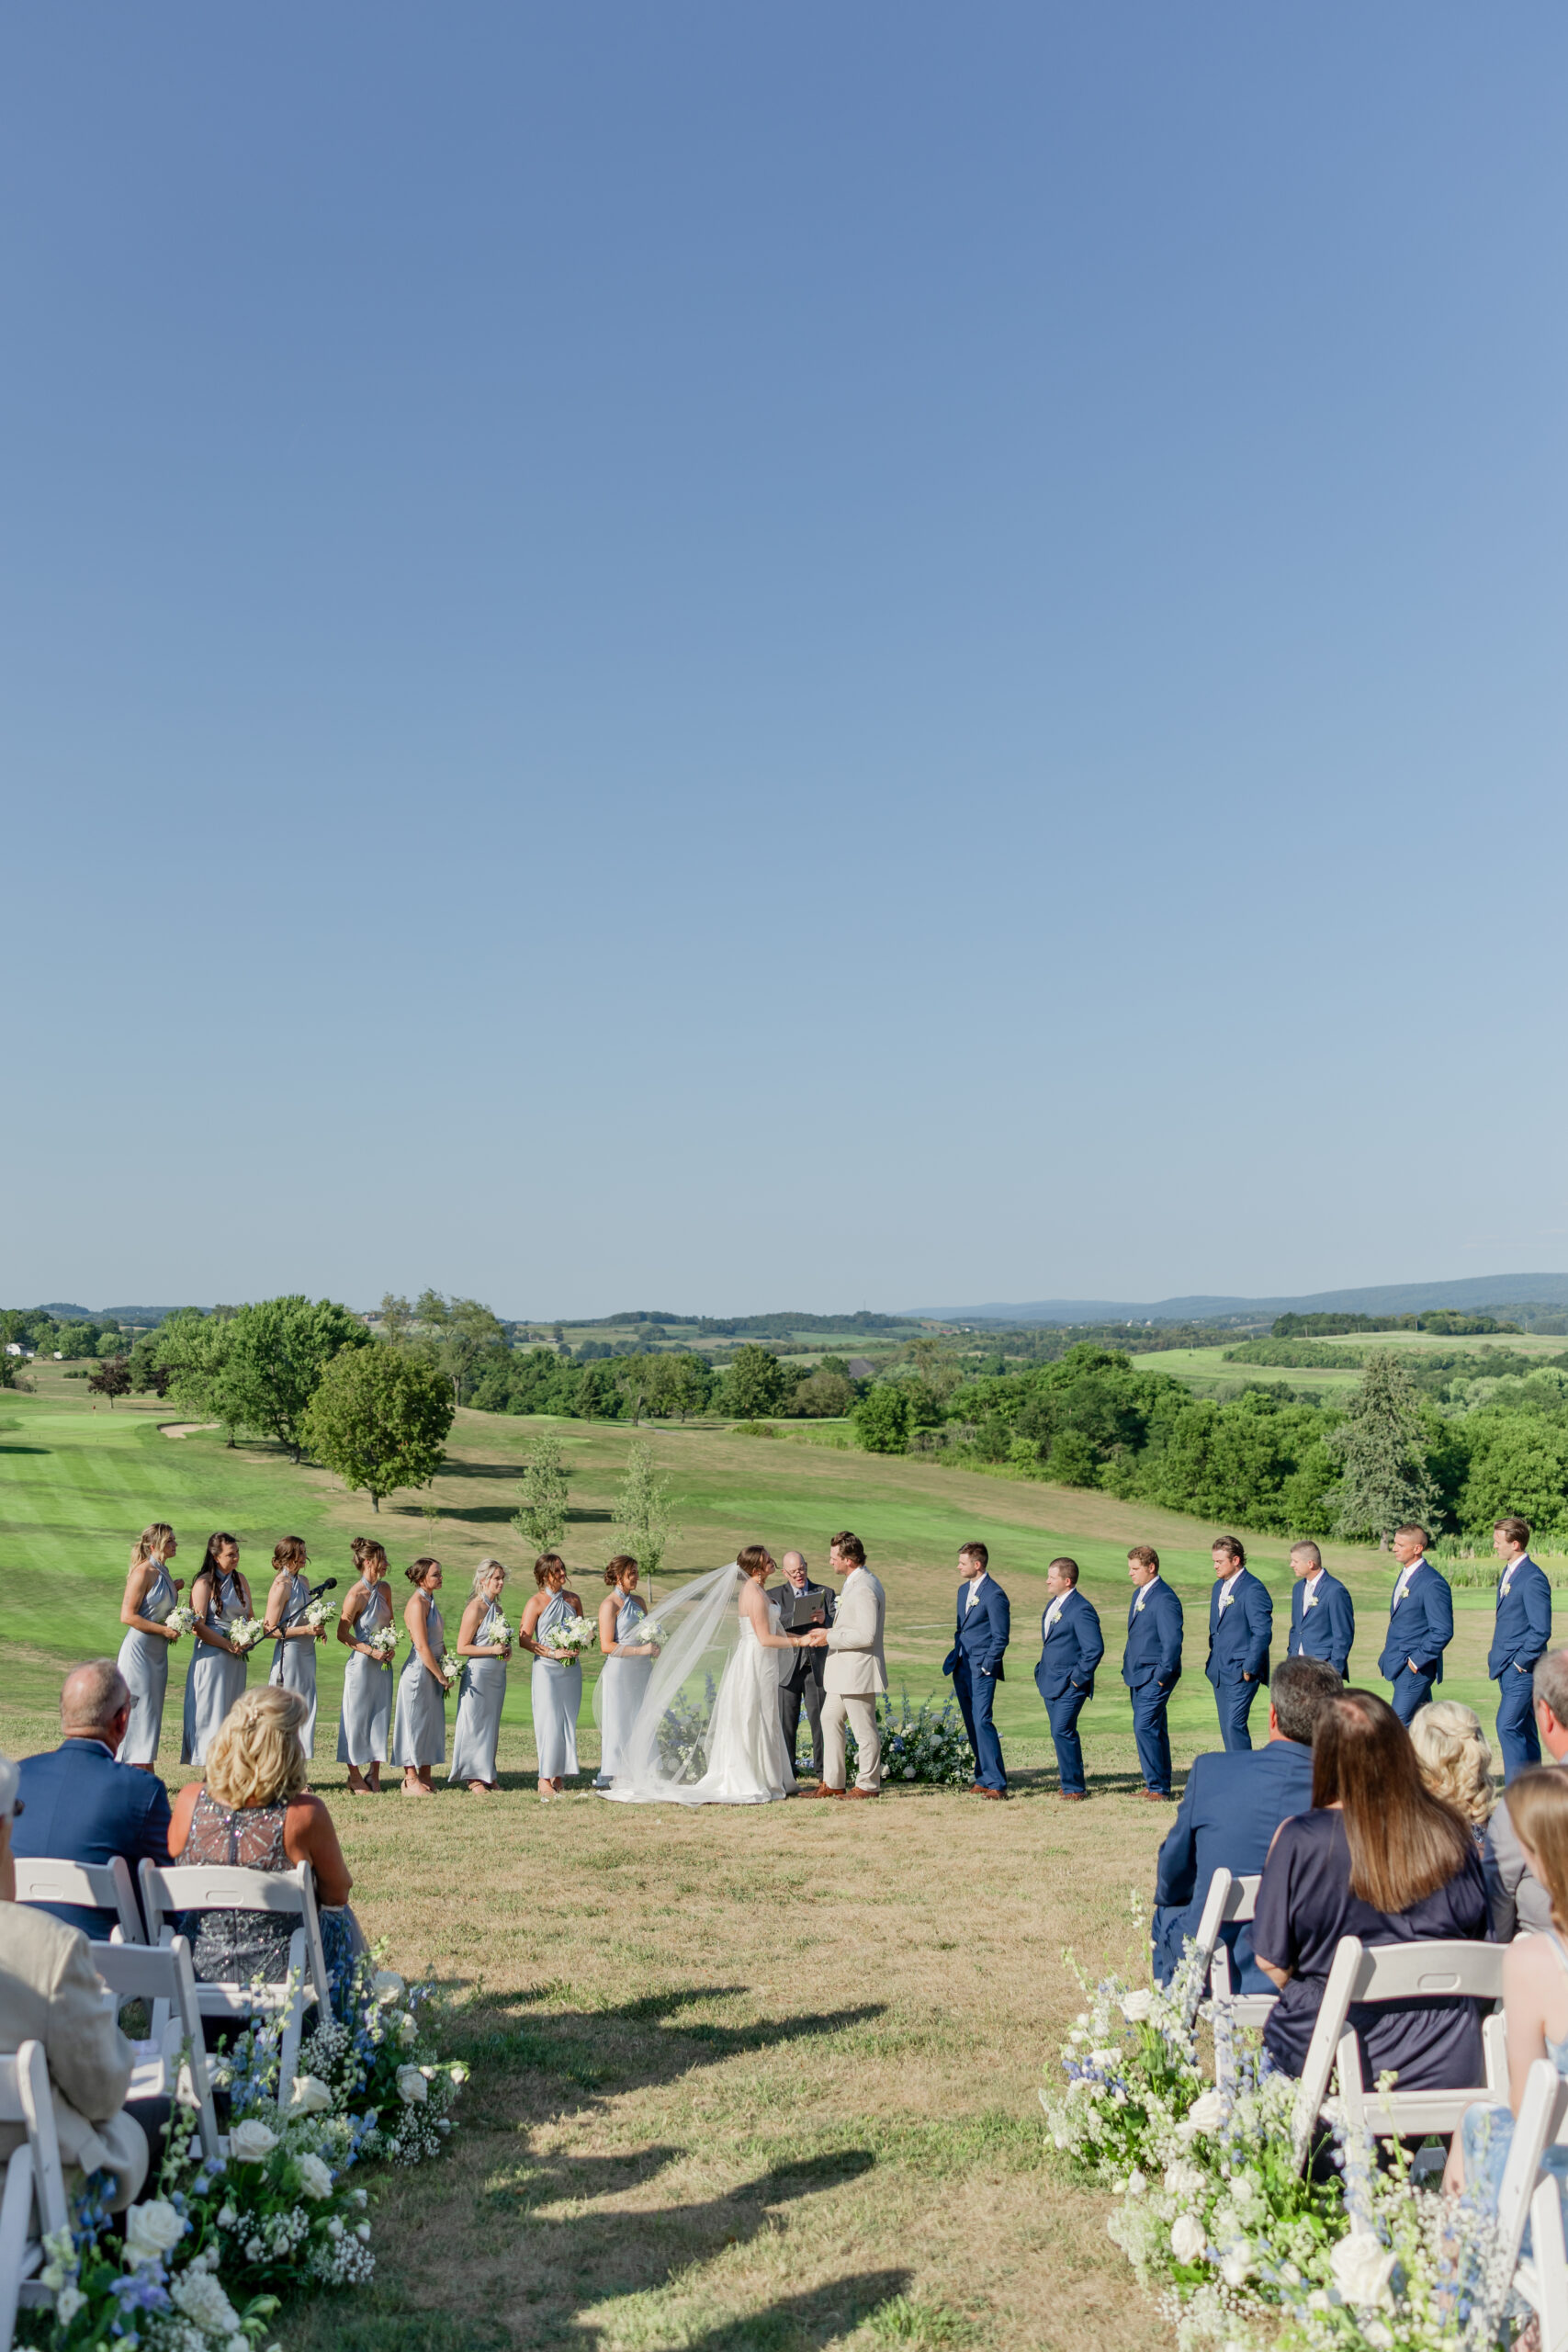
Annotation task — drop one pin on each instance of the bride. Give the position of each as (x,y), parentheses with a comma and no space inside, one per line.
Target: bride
(708,1731)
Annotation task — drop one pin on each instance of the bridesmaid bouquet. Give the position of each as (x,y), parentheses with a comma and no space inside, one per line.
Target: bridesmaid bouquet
(244,1632)
(318,1612)
(648,1629)
(182,1620)
(573,1633)
(502,1636)
(382,1645)
(451,1669)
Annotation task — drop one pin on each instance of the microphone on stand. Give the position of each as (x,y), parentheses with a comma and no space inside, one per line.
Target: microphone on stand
(328,1584)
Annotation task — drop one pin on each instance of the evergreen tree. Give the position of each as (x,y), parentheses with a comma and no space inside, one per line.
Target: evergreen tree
(1384,1476)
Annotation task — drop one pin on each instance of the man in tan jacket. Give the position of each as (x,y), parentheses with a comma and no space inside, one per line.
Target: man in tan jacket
(856,1672)
(49,1992)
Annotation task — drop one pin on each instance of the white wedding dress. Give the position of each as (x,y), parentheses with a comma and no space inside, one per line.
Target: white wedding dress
(736,1756)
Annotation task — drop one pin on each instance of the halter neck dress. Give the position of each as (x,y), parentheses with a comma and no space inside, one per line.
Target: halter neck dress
(622,1682)
(480,1694)
(365,1716)
(419,1727)
(1488,2133)
(294,1663)
(213,1679)
(556,1693)
(144,1662)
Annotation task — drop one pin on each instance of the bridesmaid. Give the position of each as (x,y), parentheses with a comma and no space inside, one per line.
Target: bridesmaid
(483,1687)
(419,1727)
(149,1594)
(629,1662)
(294,1657)
(366,1713)
(216,1676)
(557,1689)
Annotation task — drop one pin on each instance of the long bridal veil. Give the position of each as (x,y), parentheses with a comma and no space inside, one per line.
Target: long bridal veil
(698,1631)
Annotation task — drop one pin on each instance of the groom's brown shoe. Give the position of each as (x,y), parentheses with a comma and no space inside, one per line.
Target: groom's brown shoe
(863,1792)
(822,1790)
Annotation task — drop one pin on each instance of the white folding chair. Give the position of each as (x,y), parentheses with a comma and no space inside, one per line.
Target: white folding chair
(1542,2279)
(161,1975)
(19,2255)
(215,1886)
(1392,1973)
(96,1886)
(1229,1899)
(36,2189)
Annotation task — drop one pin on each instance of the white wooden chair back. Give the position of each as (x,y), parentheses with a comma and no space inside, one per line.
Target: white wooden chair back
(161,1975)
(1392,1973)
(96,1886)
(202,1886)
(20,2254)
(1236,1900)
(1543,2280)
(40,2185)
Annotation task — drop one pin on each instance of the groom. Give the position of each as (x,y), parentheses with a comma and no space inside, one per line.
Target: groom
(855,1673)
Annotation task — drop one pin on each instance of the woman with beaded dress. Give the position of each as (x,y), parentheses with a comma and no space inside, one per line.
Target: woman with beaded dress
(216,1676)
(484,1645)
(557,1685)
(294,1648)
(151,1593)
(419,1727)
(629,1662)
(365,1721)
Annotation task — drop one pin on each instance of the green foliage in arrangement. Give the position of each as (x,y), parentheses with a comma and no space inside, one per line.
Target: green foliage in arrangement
(379,1419)
(1381,1449)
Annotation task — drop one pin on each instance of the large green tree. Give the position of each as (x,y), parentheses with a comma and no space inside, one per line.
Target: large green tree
(755,1383)
(379,1418)
(257,1368)
(463,1334)
(1380,1450)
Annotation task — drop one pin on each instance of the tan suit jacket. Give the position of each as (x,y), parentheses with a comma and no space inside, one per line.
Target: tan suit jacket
(855,1663)
(49,1992)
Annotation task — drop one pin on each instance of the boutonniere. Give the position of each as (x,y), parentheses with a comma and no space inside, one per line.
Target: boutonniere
(1310,1602)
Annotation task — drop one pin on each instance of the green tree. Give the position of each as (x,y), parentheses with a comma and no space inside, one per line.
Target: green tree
(146,1372)
(882,1419)
(1381,1448)
(275,1355)
(192,1348)
(1074,1459)
(379,1418)
(111,1379)
(541,1518)
(397,1317)
(756,1383)
(463,1334)
(642,1511)
(112,1344)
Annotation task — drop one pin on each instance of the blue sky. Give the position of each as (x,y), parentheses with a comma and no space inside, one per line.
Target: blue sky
(725,657)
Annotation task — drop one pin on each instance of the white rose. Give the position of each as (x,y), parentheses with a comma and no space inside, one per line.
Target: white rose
(458,2071)
(334,2228)
(412,2089)
(151,2230)
(1136,2183)
(1361,2267)
(387,1985)
(227,2217)
(1136,2007)
(308,2096)
(361,2198)
(250,2142)
(362,2232)
(408,2027)
(67,2303)
(1379,2336)
(1236,2264)
(198,2296)
(1184,2180)
(1186,2238)
(315,2177)
(1318,2301)
(255,2249)
(1106,2057)
(1206,2113)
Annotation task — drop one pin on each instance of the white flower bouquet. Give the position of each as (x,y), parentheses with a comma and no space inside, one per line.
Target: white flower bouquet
(501,1636)
(181,1619)
(316,1613)
(244,1632)
(574,1634)
(451,1668)
(382,1645)
(648,1629)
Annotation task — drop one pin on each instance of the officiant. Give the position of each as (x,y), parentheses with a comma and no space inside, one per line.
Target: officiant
(803,1604)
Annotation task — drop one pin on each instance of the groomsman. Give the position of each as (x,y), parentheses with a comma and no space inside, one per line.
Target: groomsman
(1523,1634)
(1323,1615)
(1151,1666)
(974,1662)
(1420,1624)
(1241,1625)
(1071,1646)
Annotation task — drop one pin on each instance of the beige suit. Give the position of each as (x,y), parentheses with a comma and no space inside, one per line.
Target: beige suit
(49,1992)
(855,1673)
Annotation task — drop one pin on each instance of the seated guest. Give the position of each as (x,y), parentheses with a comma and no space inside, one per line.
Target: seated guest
(251,1810)
(1231,1807)
(1381,1858)
(1455,1761)
(1519,1903)
(49,1992)
(80,1805)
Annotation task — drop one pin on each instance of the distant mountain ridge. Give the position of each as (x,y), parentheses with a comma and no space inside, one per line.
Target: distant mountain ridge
(1472,1292)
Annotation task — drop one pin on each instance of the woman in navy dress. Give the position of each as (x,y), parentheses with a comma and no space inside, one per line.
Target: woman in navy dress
(1379,1857)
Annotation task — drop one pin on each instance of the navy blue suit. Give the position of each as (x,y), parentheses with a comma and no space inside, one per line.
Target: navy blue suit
(1239,1633)
(81,1807)
(1421,1627)
(1064,1679)
(1229,1812)
(1327,1630)
(1151,1668)
(1523,1634)
(974,1663)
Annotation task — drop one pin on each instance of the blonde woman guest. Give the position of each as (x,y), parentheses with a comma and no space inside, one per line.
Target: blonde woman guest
(629,1662)
(557,1686)
(1455,1761)
(366,1718)
(482,1690)
(215,1677)
(419,1727)
(149,1594)
(294,1654)
(251,1810)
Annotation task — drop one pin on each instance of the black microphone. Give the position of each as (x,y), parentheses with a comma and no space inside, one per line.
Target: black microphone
(328,1584)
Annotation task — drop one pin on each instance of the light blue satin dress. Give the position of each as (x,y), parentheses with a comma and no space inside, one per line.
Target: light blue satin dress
(556,1693)
(367,1714)
(294,1663)
(480,1695)
(144,1662)
(213,1679)
(419,1727)
(622,1682)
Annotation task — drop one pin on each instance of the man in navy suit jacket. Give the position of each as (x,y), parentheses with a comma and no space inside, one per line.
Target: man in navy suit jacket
(80,1805)
(1323,1615)
(1071,1646)
(1151,1666)
(1229,1811)
(1522,1635)
(1241,1623)
(974,1662)
(1420,1624)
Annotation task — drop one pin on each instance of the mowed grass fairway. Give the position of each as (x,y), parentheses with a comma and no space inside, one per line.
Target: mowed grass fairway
(742,2078)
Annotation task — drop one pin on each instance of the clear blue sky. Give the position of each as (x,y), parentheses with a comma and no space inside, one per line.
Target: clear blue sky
(716,656)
